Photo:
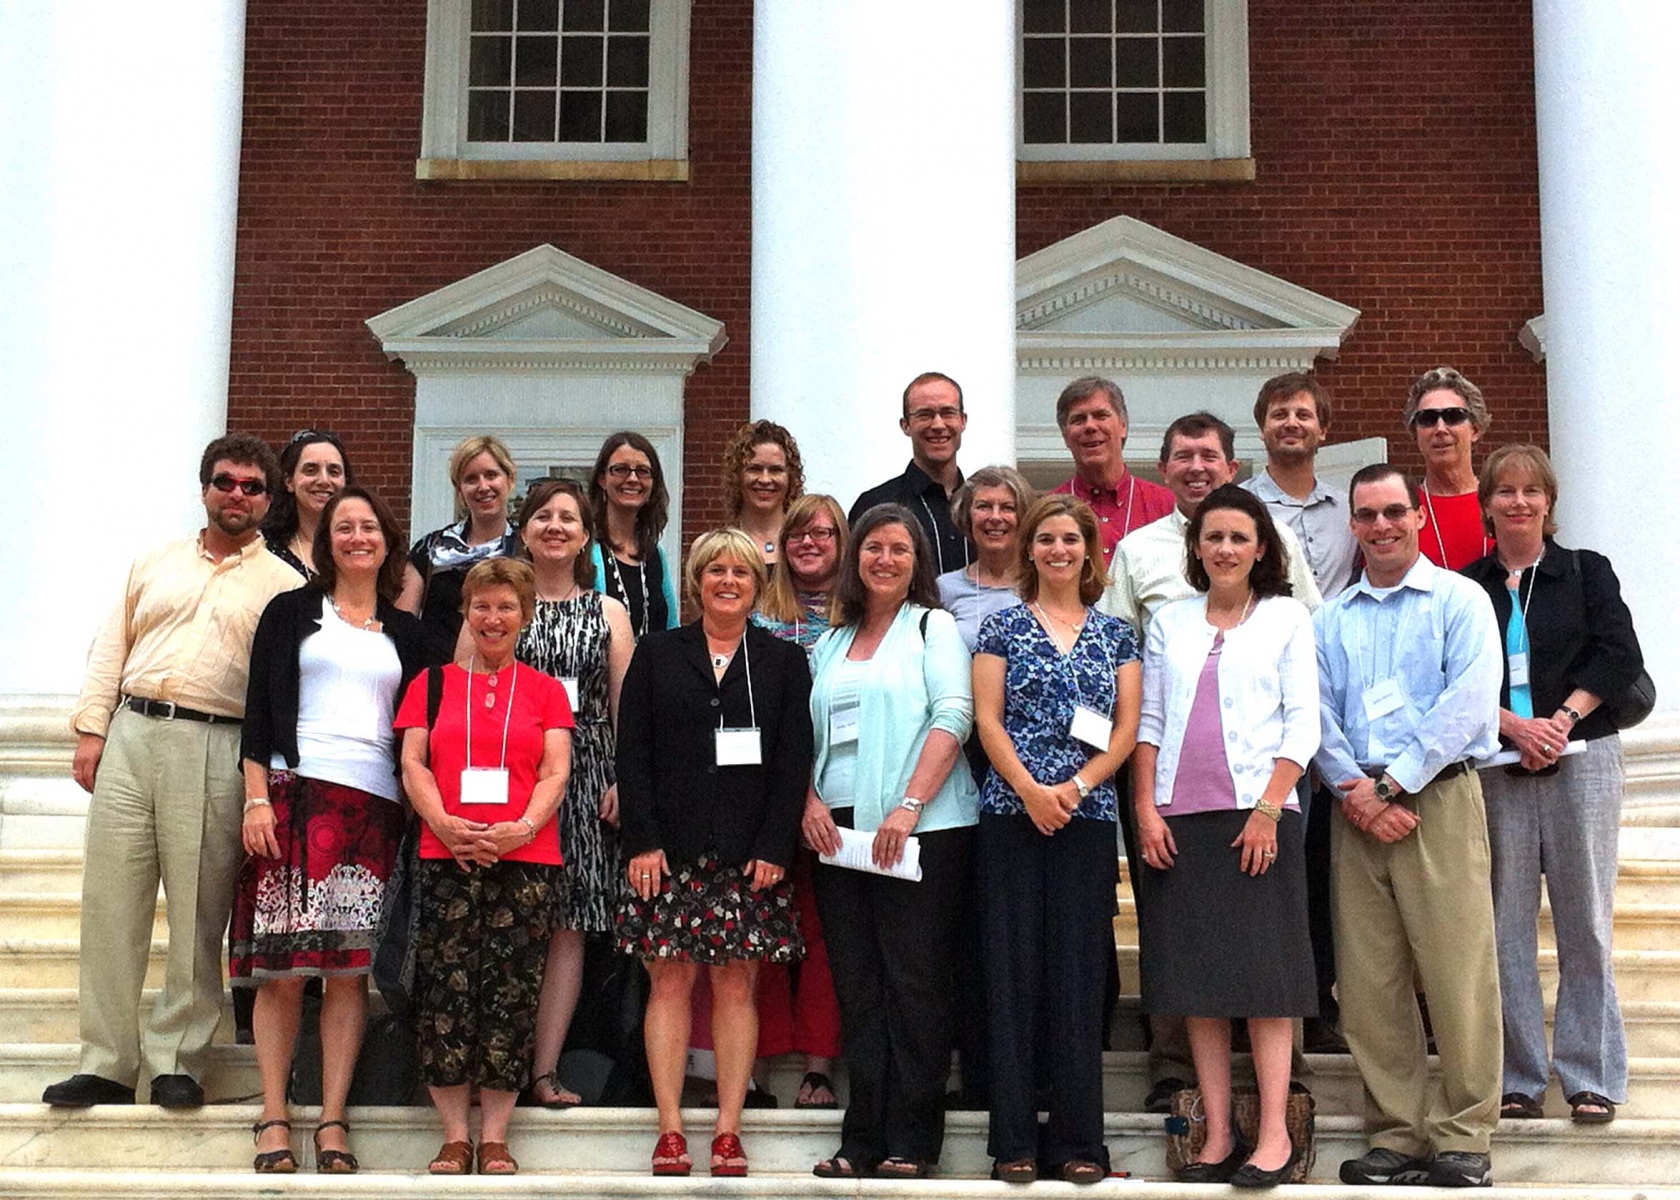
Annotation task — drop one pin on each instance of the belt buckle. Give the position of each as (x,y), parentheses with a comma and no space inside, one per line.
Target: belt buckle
(169,704)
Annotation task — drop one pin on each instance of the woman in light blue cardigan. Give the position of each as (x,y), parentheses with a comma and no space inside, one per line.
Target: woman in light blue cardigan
(891,704)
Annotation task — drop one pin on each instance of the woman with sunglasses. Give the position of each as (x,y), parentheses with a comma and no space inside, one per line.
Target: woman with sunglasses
(1447,415)
(762,475)
(627,494)
(314,468)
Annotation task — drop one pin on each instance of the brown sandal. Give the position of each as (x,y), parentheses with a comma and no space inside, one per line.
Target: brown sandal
(494,1159)
(273,1162)
(453,1158)
(334,1162)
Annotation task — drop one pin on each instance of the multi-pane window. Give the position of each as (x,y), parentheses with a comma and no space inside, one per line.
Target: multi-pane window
(558,71)
(1114,72)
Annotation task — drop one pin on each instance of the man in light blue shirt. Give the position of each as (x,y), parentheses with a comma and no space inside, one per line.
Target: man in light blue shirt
(1409,676)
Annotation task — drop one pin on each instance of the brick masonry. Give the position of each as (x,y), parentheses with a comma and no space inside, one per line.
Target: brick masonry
(1396,172)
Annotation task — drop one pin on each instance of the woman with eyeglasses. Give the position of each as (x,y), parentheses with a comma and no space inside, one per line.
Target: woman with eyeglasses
(315,469)
(1569,648)
(762,475)
(1229,723)
(482,473)
(628,497)
(1447,415)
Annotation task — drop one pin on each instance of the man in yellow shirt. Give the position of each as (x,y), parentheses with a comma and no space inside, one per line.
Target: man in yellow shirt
(157,743)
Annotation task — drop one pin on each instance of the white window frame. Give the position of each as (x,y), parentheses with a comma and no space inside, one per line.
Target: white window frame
(1225,23)
(443,123)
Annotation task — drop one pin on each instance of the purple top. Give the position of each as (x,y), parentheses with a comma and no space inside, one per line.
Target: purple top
(1203,782)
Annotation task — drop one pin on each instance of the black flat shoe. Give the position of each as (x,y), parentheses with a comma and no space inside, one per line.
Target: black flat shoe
(1214,1172)
(1250,1176)
(1159,1097)
(84,1091)
(177,1091)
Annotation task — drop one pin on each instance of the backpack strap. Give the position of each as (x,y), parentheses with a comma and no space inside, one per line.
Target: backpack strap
(434,695)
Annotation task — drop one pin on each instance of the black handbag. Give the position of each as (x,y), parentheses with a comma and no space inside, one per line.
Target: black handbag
(1635,704)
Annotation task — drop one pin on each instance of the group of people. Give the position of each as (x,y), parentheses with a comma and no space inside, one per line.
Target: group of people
(890,752)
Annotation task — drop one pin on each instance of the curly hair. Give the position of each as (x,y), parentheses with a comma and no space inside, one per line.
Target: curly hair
(1270,574)
(740,449)
(1447,379)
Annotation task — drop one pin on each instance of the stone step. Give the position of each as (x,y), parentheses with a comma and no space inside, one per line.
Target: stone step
(56,915)
(52,962)
(606,1142)
(41,870)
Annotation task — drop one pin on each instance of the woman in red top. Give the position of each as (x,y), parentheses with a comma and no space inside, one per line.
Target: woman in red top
(485,765)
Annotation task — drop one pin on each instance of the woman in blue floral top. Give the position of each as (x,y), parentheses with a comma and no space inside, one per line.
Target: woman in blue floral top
(1057,689)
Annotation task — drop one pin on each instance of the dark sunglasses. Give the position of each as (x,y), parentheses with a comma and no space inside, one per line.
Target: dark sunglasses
(228,484)
(1428,418)
(1393,514)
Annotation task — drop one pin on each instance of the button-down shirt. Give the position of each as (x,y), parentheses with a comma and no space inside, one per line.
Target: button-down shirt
(932,506)
(1147,571)
(1320,524)
(1130,505)
(182,631)
(1433,638)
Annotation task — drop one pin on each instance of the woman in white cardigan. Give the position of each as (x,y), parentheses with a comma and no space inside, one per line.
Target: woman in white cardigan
(1229,723)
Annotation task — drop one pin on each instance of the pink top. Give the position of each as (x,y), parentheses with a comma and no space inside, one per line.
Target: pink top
(1203,783)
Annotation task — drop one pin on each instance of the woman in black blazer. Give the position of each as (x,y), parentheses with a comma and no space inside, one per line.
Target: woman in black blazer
(714,756)
(324,811)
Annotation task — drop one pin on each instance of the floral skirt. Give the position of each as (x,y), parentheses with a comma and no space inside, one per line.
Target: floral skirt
(708,913)
(315,910)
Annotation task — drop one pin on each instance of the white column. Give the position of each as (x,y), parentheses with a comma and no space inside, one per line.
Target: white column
(883,225)
(118,178)
(1606,93)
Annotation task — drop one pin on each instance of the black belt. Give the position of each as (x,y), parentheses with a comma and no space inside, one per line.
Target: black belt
(168,710)
(1451,770)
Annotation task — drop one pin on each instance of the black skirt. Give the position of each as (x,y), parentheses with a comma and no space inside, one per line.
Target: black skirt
(708,913)
(1215,942)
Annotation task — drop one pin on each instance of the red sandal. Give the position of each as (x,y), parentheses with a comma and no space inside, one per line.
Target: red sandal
(670,1155)
(727,1148)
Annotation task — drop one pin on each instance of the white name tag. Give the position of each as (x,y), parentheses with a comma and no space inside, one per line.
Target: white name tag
(570,683)
(738,748)
(1382,699)
(1091,727)
(484,785)
(1519,669)
(842,725)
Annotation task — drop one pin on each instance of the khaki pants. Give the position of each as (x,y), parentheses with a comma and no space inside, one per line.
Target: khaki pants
(166,804)
(1424,903)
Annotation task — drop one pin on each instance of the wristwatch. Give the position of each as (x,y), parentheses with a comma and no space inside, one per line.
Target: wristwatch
(1574,717)
(1387,791)
(1080,786)
(912,805)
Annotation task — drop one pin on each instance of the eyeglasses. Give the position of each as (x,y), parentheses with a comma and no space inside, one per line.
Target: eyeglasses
(626,471)
(821,535)
(1428,418)
(228,484)
(925,416)
(1393,514)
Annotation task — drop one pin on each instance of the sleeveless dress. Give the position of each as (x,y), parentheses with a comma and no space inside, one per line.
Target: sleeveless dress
(568,638)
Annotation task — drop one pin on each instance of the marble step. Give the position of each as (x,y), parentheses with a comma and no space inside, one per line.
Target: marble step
(41,870)
(49,1014)
(56,915)
(604,1141)
(27,962)
(1654,1083)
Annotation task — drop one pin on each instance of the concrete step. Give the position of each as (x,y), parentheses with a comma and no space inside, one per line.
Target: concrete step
(45,1015)
(41,870)
(56,915)
(27,962)
(617,1142)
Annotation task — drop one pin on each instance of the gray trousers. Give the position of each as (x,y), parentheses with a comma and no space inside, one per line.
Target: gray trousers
(1565,827)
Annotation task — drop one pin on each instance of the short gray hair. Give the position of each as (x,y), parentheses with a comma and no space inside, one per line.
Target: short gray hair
(1084,388)
(1452,381)
(962,504)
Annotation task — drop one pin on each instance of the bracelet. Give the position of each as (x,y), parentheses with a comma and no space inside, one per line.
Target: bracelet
(257,802)
(529,828)
(1270,811)
(912,805)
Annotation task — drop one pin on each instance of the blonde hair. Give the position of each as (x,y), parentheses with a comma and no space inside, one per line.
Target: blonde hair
(780,600)
(1521,455)
(721,543)
(470,449)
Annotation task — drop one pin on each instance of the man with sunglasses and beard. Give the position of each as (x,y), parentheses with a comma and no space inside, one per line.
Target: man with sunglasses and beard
(1447,415)
(157,743)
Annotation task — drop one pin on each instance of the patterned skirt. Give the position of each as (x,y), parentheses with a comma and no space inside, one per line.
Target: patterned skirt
(708,913)
(315,910)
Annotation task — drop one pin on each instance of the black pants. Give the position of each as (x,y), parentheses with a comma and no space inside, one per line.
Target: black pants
(1047,915)
(1323,808)
(891,946)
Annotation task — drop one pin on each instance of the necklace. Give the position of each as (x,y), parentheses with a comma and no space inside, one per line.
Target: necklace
(371,621)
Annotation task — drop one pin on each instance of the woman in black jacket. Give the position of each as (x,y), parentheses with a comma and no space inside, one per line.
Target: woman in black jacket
(714,756)
(1569,650)
(323,808)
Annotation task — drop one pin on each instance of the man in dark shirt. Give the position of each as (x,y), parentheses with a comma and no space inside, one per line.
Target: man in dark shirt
(934,421)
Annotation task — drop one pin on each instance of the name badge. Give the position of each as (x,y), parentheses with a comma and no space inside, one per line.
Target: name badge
(842,725)
(1382,699)
(1519,669)
(570,683)
(738,748)
(1091,727)
(484,785)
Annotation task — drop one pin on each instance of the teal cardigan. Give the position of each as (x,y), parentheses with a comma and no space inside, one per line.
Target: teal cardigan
(672,616)
(909,688)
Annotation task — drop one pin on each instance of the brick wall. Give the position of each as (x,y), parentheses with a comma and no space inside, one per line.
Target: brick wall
(1396,173)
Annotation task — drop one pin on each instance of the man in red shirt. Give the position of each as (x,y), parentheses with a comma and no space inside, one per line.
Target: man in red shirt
(1447,415)
(1091,413)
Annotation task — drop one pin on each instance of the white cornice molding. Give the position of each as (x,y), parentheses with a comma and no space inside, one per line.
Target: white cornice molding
(1237,317)
(1533,337)
(456,327)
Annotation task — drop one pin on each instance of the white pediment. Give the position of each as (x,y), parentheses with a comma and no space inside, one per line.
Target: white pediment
(1124,295)
(544,310)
